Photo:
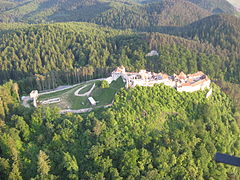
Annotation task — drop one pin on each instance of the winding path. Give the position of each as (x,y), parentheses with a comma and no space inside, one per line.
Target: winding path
(85,94)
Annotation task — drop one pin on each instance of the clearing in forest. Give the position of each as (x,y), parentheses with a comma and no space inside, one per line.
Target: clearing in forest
(68,100)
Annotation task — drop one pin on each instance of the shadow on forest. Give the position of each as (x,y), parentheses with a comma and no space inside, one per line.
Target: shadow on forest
(79,12)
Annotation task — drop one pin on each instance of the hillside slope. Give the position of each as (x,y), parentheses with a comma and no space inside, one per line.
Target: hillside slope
(116,13)
(45,56)
(220,30)
(213,6)
(149,133)
(164,13)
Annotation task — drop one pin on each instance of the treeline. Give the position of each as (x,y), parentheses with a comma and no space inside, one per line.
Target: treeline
(149,133)
(53,79)
(222,32)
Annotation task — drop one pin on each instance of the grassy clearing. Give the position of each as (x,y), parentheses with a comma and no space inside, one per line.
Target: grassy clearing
(103,96)
(54,95)
(68,99)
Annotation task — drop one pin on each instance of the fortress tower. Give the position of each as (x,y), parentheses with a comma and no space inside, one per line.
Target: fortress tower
(34,96)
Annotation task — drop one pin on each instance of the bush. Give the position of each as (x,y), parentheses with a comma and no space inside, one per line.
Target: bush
(104,84)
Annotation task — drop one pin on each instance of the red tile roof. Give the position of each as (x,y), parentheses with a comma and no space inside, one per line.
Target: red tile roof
(197,74)
(186,84)
(182,75)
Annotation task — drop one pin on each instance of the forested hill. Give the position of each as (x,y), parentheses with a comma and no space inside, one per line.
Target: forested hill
(163,13)
(220,30)
(214,6)
(149,133)
(44,56)
(115,13)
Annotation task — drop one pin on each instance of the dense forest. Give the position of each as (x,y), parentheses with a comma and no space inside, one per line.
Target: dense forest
(220,30)
(163,13)
(149,133)
(114,13)
(214,6)
(45,56)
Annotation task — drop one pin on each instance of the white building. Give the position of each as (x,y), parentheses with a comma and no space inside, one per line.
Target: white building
(92,101)
(152,53)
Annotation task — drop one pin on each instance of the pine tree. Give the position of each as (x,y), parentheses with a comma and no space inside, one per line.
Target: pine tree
(43,165)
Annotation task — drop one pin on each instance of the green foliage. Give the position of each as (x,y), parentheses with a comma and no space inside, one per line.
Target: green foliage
(103,96)
(115,13)
(152,14)
(80,55)
(43,164)
(149,133)
(70,163)
(15,174)
(8,98)
(215,6)
(104,84)
(106,95)
(232,90)
(220,30)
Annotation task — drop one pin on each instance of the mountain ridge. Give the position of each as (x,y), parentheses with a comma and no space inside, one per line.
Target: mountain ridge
(91,10)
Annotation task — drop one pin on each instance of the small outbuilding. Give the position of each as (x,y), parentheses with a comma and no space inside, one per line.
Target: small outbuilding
(152,53)
(92,101)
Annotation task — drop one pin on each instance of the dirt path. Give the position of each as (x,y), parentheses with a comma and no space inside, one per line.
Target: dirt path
(86,93)
(77,91)
(68,87)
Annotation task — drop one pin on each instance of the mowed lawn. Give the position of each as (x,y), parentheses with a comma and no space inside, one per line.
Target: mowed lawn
(103,96)
(55,94)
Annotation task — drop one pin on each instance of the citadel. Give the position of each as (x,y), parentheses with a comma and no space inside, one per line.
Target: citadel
(182,82)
